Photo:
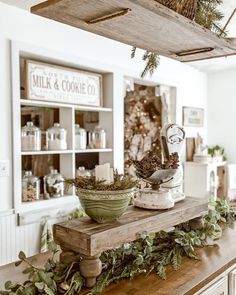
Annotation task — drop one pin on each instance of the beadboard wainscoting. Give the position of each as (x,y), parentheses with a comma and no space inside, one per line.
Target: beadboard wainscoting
(16,238)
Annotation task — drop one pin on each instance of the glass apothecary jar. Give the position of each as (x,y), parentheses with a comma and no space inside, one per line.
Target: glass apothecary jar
(80,138)
(30,137)
(53,185)
(30,187)
(97,138)
(56,138)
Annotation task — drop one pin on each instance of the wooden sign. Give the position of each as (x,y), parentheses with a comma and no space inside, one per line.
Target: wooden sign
(61,84)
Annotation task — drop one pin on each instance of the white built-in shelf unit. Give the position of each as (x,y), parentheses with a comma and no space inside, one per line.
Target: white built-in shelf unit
(112,86)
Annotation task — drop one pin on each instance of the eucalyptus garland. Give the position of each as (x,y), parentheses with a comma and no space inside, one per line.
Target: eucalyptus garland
(151,253)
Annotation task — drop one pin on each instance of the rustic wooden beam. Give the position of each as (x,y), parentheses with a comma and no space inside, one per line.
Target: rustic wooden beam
(44,4)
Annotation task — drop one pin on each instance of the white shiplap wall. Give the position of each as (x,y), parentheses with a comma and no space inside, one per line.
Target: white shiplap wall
(15,238)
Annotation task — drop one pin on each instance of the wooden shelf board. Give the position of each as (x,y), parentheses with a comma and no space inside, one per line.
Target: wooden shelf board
(89,238)
(147,25)
(108,150)
(93,109)
(42,204)
(31,153)
(38,103)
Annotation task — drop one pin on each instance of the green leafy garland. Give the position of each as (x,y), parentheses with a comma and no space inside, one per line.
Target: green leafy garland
(206,15)
(150,253)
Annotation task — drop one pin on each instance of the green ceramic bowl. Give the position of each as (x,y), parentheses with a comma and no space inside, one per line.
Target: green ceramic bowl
(104,206)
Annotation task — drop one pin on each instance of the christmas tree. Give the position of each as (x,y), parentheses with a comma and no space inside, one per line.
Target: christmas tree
(142,124)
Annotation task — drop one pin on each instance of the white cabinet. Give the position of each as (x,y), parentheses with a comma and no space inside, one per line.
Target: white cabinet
(220,287)
(204,180)
(232,282)
(225,284)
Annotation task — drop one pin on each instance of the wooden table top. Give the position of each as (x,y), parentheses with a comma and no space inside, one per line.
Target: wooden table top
(90,238)
(193,275)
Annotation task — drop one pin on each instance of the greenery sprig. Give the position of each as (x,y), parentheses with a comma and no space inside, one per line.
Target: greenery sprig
(217,150)
(209,16)
(153,252)
(54,278)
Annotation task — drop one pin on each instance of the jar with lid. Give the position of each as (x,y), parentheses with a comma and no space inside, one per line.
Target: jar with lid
(53,185)
(81,171)
(97,138)
(80,138)
(56,138)
(30,187)
(30,137)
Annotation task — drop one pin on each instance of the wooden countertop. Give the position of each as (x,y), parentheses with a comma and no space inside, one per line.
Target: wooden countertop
(193,275)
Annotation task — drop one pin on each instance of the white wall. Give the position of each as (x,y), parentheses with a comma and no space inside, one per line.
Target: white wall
(222,111)
(20,25)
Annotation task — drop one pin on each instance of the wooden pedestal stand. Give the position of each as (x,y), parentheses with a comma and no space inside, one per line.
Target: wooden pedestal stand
(85,240)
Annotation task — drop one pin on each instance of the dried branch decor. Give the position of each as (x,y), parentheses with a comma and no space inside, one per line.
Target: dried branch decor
(151,163)
(121,182)
(150,253)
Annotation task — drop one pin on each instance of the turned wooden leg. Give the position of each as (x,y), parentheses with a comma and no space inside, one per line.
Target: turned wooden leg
(90,269)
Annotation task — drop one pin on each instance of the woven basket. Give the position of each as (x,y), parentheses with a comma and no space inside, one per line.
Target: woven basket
(185,7)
